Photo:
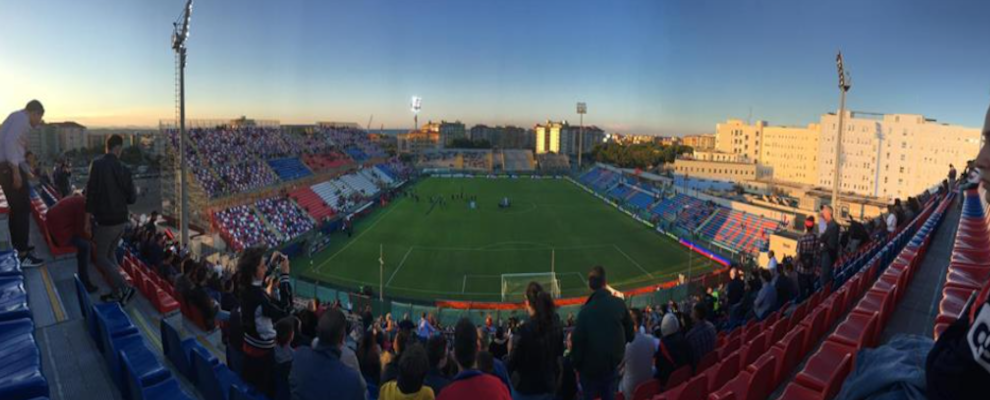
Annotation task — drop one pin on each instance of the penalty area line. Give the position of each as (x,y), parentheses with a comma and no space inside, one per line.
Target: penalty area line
(401,263)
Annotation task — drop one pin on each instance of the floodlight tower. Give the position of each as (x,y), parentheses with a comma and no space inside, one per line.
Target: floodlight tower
(416,106)
(180,32)
(844,84)
(582,108)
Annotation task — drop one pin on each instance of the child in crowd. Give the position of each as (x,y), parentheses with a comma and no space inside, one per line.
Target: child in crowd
(285,332)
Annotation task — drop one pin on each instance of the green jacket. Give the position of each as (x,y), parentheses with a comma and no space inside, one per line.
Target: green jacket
(603,328)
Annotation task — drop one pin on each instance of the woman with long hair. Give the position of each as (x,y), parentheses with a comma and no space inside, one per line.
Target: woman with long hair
(534,356)
(263,300)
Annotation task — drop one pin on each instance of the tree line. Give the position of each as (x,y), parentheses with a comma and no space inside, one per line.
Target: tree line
(640,155)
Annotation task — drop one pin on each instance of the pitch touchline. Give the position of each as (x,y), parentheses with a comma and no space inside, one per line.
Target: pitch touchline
(401,263)
(320,267)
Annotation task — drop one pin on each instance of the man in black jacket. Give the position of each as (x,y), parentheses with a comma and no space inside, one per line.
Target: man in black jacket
(830,245)
(603,328)
(108,193)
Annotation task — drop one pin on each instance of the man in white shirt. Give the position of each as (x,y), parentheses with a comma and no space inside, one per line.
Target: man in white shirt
(891,220)
(15,173)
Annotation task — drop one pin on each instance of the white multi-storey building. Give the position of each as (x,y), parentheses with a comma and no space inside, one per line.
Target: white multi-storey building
(893,155)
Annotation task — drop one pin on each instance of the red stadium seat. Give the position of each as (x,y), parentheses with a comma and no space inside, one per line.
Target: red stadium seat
(753,351)
(706,362)
(875,301)
(797,391)
(858,330)
(788,352)
(827,369)
(646,390)
(681,375)
(815,323)
(694,389)
(778,330)
(723,372)
(751,384)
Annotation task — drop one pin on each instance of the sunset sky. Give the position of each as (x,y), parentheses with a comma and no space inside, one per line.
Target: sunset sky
(654,67)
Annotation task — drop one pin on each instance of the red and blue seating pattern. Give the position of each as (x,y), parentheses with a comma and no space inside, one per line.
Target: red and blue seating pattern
(750,362)
(21,376)
(739,230)
(872,289)
(969,267)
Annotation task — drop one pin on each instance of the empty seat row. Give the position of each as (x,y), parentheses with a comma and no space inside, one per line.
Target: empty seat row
(289,169)
(213,379)
(20,371)
(134,368)
(969,265)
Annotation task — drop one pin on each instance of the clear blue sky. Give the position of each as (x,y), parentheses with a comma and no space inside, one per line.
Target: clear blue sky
(659,67)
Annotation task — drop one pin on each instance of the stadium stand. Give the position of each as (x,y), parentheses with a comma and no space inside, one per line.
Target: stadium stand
(231,160)
(518,161)
(328,161)
(21,374)
(739,230)
(551,162)
(312,203)
(969,266)
(241,228)
(284,217)
(289,169)
(878,284)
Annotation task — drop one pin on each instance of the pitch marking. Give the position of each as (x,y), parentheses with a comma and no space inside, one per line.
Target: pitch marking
(401,263)
(633,261)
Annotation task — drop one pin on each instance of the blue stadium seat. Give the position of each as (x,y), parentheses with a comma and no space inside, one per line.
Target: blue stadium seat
(20,371)
(115,322)
(245,392)
(140,370)
(145,367)
(289,169)
(13,299)
(177,350)
(9,265)
(167,389)
(212,378)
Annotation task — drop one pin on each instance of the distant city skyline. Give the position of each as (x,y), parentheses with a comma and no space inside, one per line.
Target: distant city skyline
(660,68)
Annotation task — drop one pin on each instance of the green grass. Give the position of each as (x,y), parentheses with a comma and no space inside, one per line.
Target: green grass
(455,253)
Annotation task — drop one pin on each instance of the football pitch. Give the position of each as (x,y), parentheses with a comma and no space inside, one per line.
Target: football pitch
(453,252)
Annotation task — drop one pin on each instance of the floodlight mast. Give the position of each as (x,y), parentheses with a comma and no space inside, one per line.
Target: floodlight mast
(416,106)
(180,33)
(844,85)
(582,108)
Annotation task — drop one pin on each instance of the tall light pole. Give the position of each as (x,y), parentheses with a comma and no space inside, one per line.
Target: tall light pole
(582,109)
(844,85)
(180,32)
(416,106)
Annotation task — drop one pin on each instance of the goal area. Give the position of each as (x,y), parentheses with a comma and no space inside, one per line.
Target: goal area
(514,285)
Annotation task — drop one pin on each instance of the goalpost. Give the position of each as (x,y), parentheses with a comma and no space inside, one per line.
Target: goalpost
(514,285)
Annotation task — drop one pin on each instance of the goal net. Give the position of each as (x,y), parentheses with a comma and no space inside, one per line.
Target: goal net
(514,285)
